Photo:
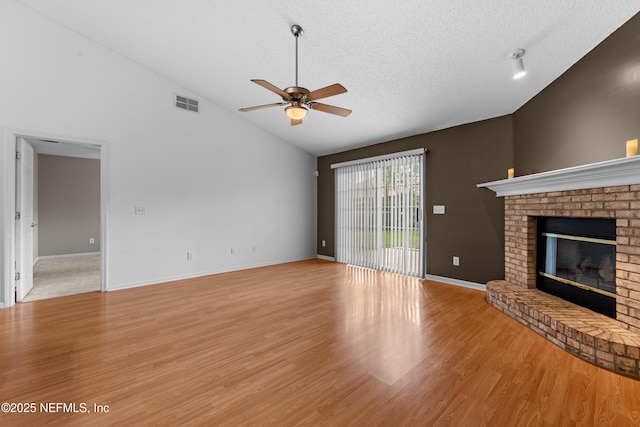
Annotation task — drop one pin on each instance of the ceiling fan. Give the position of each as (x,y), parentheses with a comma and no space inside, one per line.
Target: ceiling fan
(300,99)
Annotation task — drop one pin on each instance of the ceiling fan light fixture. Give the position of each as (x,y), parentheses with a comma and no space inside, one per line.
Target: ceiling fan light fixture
(300,99)
(296,112)
(517,64)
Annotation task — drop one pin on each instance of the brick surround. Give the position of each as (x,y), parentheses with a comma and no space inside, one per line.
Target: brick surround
(619,202)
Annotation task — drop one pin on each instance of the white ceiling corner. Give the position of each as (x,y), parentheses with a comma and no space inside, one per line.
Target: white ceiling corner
(410,67)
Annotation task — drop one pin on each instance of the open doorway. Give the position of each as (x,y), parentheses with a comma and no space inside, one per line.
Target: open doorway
(66,225)
(59,240)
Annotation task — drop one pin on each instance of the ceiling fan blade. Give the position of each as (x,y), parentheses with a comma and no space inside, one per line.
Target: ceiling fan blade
(295,122)
(265,84)
(257,107)
(338,111)
(325,92)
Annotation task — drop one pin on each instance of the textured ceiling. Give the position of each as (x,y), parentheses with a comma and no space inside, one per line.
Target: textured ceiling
(410,66)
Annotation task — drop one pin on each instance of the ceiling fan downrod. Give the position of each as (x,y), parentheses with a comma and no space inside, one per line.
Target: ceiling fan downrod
(297,31)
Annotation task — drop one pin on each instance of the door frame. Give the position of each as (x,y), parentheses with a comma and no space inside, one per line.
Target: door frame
(8,205)
(24,204)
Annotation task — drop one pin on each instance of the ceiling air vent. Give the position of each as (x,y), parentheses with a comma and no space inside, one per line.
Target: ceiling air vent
(186,103)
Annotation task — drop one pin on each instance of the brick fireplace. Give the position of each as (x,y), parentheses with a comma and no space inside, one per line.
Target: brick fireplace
(603,190)
(619,202)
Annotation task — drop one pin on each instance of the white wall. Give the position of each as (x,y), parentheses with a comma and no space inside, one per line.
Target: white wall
(209,181)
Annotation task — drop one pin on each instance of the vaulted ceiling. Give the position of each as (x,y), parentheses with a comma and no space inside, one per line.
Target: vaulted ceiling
(409,66)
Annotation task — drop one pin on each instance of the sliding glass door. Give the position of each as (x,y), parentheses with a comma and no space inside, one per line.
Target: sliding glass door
(379,213)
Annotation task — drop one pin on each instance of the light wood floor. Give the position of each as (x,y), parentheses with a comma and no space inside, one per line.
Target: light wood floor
(305,343)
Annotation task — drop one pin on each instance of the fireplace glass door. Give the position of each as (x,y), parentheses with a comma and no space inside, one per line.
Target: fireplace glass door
(576,261)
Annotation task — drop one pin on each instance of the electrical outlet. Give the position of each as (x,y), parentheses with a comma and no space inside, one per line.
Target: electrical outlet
(189,256)
(140,210)
(456,260)
(324,243)
(254,249)
(233,251)
(438,209)
(91,240)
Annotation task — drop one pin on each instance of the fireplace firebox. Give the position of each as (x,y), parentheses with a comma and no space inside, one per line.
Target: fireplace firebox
(576,260)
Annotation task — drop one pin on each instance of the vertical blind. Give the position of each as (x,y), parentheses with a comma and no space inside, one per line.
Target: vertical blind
(379,214)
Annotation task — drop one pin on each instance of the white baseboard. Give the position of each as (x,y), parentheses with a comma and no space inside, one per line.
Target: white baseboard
(157,281)
(456,282)
(166,279)
(447,280)
(67,255)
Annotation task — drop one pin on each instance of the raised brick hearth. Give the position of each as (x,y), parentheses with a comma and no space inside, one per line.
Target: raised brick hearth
(590,336)
(609,343)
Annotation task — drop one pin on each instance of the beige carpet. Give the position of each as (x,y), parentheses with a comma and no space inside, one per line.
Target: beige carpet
(55,277)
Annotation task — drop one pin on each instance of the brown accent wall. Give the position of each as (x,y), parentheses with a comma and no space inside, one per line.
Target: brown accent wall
(458,158)
(588,113)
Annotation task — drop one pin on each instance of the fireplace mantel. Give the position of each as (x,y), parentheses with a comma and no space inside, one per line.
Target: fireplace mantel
(610,173)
